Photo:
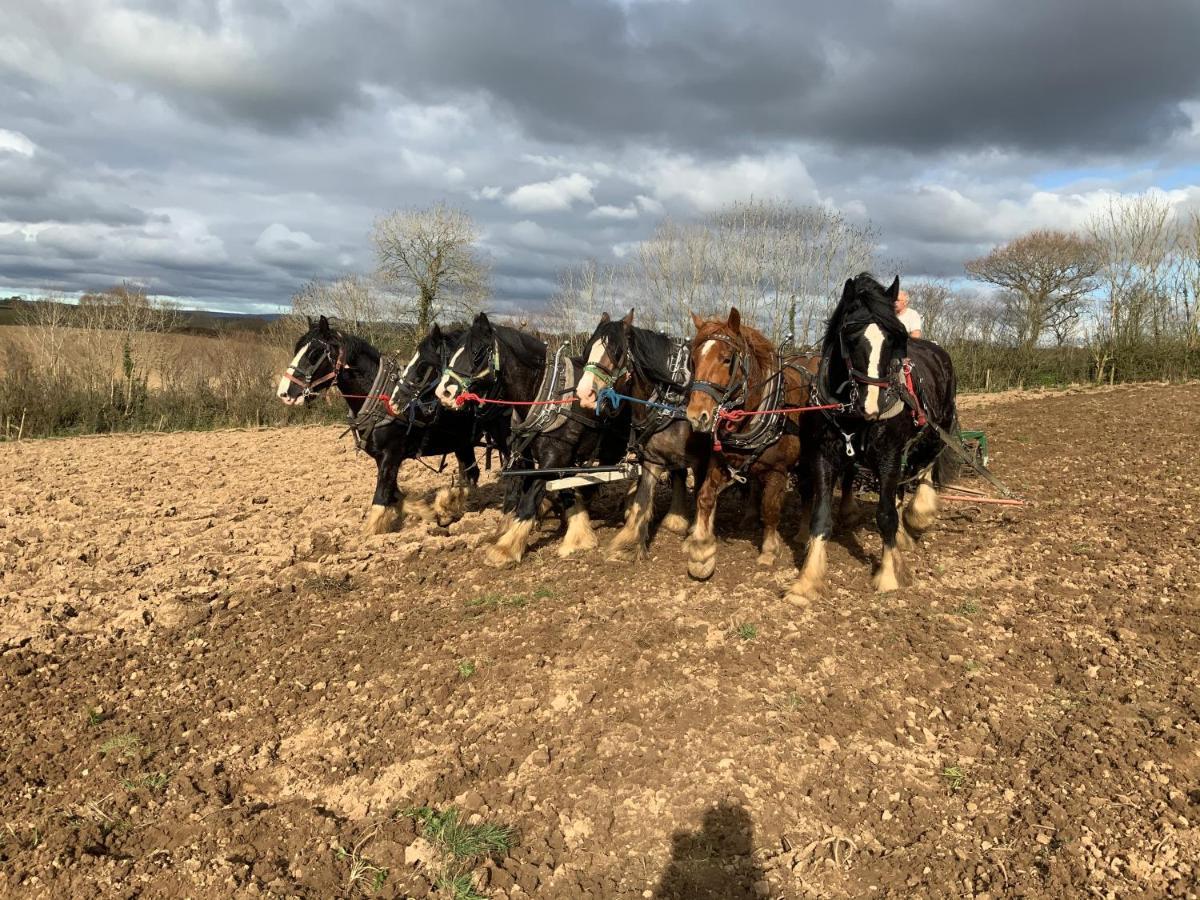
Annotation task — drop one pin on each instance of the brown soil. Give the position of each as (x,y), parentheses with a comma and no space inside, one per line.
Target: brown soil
(209,682)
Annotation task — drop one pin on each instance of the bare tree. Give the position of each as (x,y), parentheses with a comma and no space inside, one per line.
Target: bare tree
(1046,277)
(1187,288)
(780,264)
(585,291)
(429,256)
(933,300)
(1135,237)
(356,302)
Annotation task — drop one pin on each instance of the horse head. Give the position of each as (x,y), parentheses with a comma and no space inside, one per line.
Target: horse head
(320,356)
(721,359)
(609,362)
(864,350)
(474,363)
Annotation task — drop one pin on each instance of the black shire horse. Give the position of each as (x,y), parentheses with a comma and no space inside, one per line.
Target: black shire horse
(895,389)
(393,414)
(496,362)
(650,366)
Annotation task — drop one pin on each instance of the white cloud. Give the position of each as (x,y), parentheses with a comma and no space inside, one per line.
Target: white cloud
(281,246)
(15,142)
(649,205)
(556,195)
(614,212)
(706,186)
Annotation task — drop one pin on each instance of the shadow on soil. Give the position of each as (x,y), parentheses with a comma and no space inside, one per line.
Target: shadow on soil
(714,863)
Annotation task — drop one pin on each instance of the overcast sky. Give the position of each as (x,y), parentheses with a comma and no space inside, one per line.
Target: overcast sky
(224,152)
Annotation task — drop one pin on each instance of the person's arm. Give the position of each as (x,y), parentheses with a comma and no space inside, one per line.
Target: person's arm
(916,332)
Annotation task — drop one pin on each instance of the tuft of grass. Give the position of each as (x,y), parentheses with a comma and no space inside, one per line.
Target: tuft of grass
(466,668)
(123,747)
(152,781)
(747,631)
(95,715)
(364,875)
(967,608)
(445,830)
(955,778)
(458,887)
(11,835)
(490,602)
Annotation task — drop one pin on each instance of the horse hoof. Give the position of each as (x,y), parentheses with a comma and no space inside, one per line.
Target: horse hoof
(625,552)
(676,523)
(702,560)
(800,597)
(449,505)
(383,519)
(885,583)
(500,558)
(566,548)
(766,559)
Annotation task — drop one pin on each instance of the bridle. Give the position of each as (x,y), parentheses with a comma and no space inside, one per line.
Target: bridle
(609,377)
(490,370)
(893,386)
(305,377)
(733,394)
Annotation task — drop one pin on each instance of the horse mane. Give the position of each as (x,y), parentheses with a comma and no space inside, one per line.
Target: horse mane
(757,343)
(352,345)
(529,350)
(651,354)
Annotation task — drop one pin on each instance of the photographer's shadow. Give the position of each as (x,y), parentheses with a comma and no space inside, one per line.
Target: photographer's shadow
(714,863)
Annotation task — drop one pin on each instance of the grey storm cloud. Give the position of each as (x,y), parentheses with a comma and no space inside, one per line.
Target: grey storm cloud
(228,152)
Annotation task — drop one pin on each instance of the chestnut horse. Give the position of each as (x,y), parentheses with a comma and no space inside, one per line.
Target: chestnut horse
(737,369)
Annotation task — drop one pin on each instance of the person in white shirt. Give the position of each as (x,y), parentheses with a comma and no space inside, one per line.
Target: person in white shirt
(910,317)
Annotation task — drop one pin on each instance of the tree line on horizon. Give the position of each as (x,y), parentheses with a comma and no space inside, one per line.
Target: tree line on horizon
(1114,301)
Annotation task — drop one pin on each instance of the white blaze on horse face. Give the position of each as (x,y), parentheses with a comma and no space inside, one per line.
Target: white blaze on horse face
(285,385)
(874,336)
(447,390)
(586,389)
(412,362)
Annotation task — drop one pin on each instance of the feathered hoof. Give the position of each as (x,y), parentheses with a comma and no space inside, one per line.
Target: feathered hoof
(499,557)
(449,505)
(625,551)
(801,595)
(702,559)
(383,519)
(904,540)
(583,540)
(676,523)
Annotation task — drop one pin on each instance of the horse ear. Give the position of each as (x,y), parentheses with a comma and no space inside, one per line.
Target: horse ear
(323,326)
(894,291)
(310,322)
(628,320)
(435,332)
(848,290)
(735,320)
(604,319)
(482,322)
(697,321)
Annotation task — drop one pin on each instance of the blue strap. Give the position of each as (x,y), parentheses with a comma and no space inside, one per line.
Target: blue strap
(610,396)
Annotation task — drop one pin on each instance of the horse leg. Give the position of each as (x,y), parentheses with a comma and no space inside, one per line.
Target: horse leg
(630,541)
(580,534)
(702,545)
(510,548)
(450,503)
(848,510)
(387,506)
(887,516)
(753,492)
(812,574)
(677,520)
(774,487)
(922,509)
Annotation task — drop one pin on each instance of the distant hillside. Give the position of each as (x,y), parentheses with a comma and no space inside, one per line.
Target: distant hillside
(13,311)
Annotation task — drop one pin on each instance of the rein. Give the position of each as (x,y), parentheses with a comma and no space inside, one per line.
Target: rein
(307,381)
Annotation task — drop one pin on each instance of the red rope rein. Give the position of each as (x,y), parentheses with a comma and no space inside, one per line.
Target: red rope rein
(387,401)
(736,415)
(468,396)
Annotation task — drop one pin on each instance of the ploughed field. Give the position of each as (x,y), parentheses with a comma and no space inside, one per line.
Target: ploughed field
(211,685)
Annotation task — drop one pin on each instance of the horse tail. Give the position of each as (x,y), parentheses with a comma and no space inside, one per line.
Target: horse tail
(948,463)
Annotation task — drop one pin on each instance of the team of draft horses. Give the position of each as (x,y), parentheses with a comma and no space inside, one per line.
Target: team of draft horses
(726,406)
